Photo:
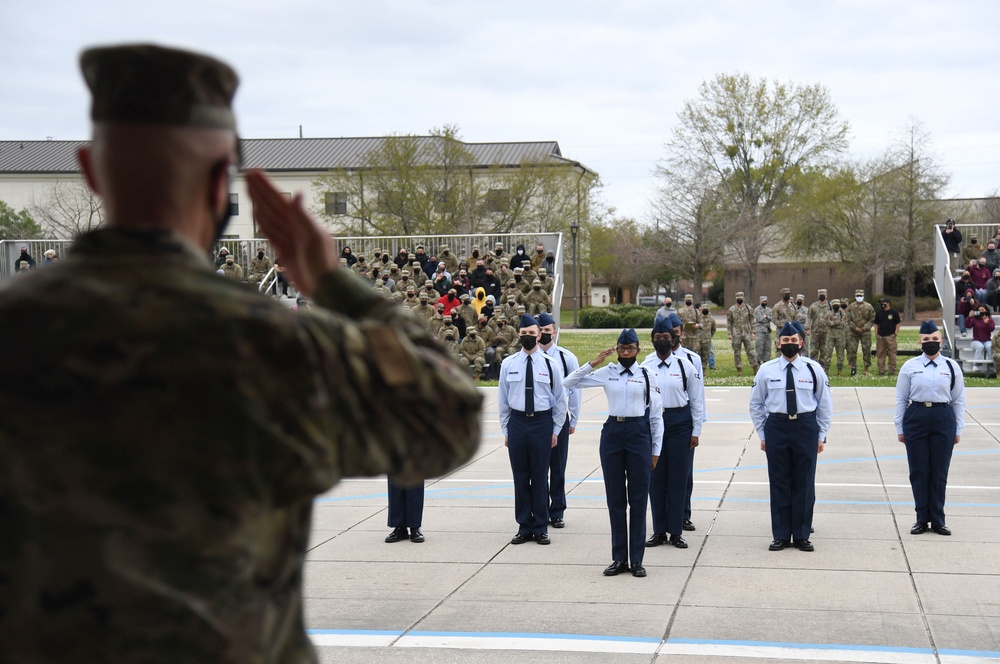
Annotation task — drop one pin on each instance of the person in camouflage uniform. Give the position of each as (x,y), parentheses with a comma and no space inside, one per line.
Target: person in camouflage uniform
(447,327)
(405,280)
(424,309)
(450,260)
(705,334)
(762,330)
(537,301)
(259,266)
(132,530)
(860,318)
(740,329)
(436,322)
(548,283)
(784,311)
(512,296)
(836,336)
(473,351)
(410,302)
(692,323)
(523,285)
(466,310)
(231,270)
(803,318)
(816,329)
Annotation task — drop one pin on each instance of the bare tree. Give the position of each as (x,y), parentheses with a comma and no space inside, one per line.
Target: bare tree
(68,209)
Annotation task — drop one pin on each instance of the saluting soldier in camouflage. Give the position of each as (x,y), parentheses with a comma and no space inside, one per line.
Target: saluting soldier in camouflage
(740,329)
(692,321)
(784,311)
(836,339)
(259,266)
(860,318)
(537,301)
(705,334)
(803,318)
(473,351)
(548,283)
(762,330)
(133,531)
(817,330)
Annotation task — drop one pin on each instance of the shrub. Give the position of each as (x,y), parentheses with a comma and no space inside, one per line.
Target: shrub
(639,319)
(599,318)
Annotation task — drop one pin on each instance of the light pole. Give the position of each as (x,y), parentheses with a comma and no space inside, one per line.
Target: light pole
(573,229)
(635,268)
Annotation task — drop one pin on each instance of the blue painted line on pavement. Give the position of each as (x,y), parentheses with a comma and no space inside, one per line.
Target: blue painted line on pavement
(801,646)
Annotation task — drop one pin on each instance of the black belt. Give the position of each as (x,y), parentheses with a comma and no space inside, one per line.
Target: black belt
(672,410)
(930,404)
(800,416)
(615,418)
(521,413)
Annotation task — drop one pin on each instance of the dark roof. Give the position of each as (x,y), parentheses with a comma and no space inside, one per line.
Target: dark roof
(285,154)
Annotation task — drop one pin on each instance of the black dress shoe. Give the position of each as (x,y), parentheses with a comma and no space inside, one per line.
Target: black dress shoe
(558,523)
(416,536)
(397,535)
(638,570)
(678,541)
(520,539)
(918,528)
(616,568)
(940,529)
(778,545)
(543,538)
(688,525)
(804,545)
(657,539)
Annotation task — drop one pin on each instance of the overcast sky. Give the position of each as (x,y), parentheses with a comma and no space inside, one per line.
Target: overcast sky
(604,79)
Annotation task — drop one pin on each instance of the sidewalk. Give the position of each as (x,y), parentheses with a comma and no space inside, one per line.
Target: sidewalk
(870,592)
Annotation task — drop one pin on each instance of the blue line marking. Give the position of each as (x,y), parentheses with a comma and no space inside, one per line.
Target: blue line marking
(802,646)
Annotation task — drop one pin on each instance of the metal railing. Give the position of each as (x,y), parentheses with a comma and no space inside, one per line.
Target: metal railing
(944,282)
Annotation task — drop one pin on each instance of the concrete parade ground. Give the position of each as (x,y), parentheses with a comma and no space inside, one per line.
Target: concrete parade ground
(870,592)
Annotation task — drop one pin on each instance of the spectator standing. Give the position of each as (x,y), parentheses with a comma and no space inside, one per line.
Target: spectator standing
(860,318)
(972,250)
(666,309)
(886,328)
(740,329)
(25,257)
(762,330)
(952,241)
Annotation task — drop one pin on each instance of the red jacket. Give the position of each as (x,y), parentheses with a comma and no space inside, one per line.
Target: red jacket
(448,303)
(982,327)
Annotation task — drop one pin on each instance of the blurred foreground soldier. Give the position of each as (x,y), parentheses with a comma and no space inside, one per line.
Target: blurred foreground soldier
(791,408)
(178,544)
(630,446)
(860,318)
(762,330)
(740,329)
(930,416)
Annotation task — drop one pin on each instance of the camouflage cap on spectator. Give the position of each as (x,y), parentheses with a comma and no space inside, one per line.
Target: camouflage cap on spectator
(835,302)
(763,298)
(443,248)
(142,83)
(423,295)
(504,261)
(518,270)
(498,245)
(800,296)
(689,298)
(821,291)
(405,273)
(537,282)
(786,290)
(739,294)
(415,264)
(465,297)
(542,271)
(860,292)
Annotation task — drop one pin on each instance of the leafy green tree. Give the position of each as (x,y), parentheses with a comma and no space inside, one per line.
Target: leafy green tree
(17,225)
(754,138)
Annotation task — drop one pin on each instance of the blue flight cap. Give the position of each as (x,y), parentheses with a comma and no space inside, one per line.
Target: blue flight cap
(662,324)
(628,337)
(798,326)
(545,319)
(527,320)
(788,329)
(675,320)
(928,327)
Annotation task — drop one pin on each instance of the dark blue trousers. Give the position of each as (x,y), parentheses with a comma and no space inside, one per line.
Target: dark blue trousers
(626,455)
(557,474)
(690,486)
(406,506)
(529,445)
(930,439)
(668,482)
(791,449)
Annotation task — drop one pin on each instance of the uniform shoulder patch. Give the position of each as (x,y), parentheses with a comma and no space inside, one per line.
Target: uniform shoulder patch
(390,357)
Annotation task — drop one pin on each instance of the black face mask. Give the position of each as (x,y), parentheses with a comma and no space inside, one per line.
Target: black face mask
(528,341)
(260,254)
(930,348)
(626,362)
(517,278)
(675,341)
(447,321)
(545,339)
(836,307)
(663,346)
(786,297)
(704,312)
(822,298)
(740,301)
(789,350)
(798,303)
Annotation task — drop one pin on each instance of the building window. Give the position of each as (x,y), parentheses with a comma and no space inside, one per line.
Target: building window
(234,205)
(335,202)
(498,200)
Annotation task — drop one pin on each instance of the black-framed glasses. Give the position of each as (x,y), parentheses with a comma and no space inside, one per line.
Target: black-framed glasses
(631,348)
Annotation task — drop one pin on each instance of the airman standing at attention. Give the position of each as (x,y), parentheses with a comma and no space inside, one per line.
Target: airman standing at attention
(740,329)
(860,318)
(784,311)
(692,323)
(762,330)
(836,339)
(817,329)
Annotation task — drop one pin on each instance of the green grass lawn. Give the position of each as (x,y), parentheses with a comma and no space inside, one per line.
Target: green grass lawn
(586,346)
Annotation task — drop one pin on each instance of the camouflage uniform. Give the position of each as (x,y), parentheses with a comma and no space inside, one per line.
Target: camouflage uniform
(405,281)
(505,341)
(836,336)
(436,323)
(424,310)
(410,302)
(232,271)
(258,269)
(447,328)
(803,318)
(784,311)
(816,325)
(511,296)
(740,321)
(467,311)
(860,318)
(537,301)
(691,319)
(473,352)
(762,328)
(548,283)
(522,284)
(705,334)
(449,259)
(419,276)
(188,545)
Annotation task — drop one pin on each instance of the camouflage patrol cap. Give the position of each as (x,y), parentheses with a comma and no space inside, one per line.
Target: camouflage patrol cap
(511,283)
(443,248)
(394,268)
(504,261)
(415,264)
(689,298)
(542,271)
(739,294)
(500,317)
(786,290)
(520,308)
(821,291)
(835,301)
(498,245)
(800,296)
(361,255)
(518,270)
(385,273)
(465,297)
(411,255)
(142,83)
(763,298)
(423,295)
(860,292)
(536,282)
(406,273)
(343,261)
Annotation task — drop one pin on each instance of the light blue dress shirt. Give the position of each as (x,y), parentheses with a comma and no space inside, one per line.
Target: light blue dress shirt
(695,359)
(626,393)
(918,380)
(558,354)
(671,383)
(768,392)
(549,393)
